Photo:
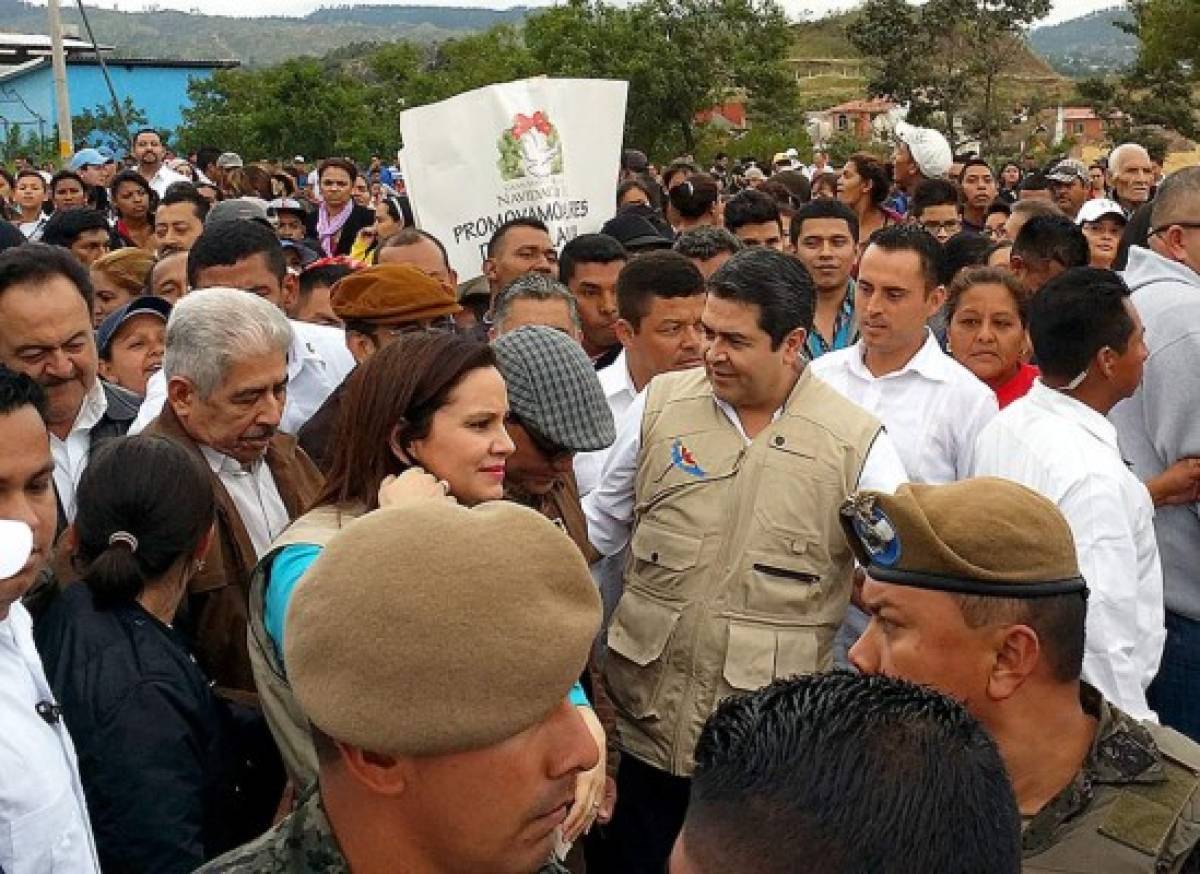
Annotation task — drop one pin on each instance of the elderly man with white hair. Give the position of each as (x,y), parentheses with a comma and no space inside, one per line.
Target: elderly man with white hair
(226,371)
(1132,175)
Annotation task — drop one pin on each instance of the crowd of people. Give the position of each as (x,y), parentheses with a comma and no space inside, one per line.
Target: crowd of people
(802,518)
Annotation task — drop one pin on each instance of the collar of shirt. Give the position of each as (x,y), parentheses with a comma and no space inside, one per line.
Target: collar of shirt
(220,463)
(735,420)
(615,380)
(1066,407)
(91,411)
(301,353)
(843,328)
(930,362)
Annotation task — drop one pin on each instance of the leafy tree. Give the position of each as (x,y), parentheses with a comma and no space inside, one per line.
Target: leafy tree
(102,126)
(946,58)
(1159,87)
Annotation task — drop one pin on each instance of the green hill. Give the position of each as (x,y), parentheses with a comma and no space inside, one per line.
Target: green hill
(1089,45)
(256,42)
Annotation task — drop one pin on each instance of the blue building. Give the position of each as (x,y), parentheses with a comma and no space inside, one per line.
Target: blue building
(158,87)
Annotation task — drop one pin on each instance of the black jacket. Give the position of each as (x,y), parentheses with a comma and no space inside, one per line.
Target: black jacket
(163,760)
(360,218)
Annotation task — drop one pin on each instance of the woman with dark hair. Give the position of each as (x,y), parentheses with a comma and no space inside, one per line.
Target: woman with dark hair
(29,202)
(338,219)
(133,203)
(1011,175)
(7,186)
(172,774)
(694,203)
(389,219)
(986,311)
(424,416)
(638,189)
(863,186)
(68,190)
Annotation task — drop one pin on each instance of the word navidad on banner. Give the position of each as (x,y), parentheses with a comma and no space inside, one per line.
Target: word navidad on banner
(544,148)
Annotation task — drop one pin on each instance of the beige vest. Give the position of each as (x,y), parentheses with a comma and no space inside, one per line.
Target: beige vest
(1136,828)
(738,570)
(288,724)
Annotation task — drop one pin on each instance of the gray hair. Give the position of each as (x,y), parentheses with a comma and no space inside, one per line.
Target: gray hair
(1117,155)
(706,241)
(532,286)
(1178,198)
(211,329)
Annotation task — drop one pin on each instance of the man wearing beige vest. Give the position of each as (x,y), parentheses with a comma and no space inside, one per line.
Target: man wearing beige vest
(725,481)
(974,589)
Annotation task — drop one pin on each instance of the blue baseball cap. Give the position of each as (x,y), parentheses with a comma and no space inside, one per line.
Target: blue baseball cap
(87,158)
(158,306)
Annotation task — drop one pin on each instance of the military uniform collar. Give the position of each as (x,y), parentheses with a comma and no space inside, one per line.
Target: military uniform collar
(1122,752)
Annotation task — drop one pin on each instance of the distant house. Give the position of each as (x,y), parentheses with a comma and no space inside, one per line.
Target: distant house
(156,86)
(1082,124)
(863,119)
(731,115)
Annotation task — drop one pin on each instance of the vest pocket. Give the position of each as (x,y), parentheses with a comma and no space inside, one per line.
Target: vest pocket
(659,556)
(758,654)
(637,642)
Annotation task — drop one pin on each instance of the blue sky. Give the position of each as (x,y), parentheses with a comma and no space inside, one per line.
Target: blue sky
(1063,9)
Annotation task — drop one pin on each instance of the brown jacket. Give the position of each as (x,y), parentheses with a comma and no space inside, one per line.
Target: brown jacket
(215,611)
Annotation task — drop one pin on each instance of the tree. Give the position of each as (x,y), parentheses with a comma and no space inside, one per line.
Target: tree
(1158,89)
(101,126)
(945,58)
(679,56)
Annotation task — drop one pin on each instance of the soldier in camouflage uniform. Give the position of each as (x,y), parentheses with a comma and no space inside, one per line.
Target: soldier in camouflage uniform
(435,674)
(974,588)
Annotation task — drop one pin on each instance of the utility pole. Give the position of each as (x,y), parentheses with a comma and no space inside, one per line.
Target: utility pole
(66,138)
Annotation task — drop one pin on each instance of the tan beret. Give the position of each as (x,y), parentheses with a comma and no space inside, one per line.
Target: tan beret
(432,628)
(392,293)
(982,536)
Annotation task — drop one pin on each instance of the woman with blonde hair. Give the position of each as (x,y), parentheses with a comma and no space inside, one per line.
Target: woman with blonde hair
(118,277)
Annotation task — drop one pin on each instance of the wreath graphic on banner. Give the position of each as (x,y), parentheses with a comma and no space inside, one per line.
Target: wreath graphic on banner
(530,147)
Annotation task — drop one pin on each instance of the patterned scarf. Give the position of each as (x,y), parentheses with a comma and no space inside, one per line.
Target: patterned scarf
(328,228)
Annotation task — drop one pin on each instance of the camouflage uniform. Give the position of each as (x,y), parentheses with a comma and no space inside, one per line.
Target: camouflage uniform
(1133,807)
(303,843)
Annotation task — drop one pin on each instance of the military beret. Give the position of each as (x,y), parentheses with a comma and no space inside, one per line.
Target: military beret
(431,628)
(982,536)
(392,293)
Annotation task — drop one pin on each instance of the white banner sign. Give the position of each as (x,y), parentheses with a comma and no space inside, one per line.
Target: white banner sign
(547,148)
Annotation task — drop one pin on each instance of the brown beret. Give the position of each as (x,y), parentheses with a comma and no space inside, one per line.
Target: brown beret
(432,628)
(392,293)
(982,536)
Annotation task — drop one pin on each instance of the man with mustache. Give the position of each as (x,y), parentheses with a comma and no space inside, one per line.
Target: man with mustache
(439,710)
(227,377)
(46,333)
(725,482)
(1132,175)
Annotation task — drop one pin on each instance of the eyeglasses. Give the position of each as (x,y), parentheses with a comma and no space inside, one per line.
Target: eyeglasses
(548,448)
(439,325)
(1154,232)
(950,227)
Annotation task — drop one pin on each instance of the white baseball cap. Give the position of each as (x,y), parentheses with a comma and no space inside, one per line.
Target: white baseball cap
(928,147)
(1097,208)
(16,543)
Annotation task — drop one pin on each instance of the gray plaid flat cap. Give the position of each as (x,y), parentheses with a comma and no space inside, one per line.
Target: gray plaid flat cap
(552,387)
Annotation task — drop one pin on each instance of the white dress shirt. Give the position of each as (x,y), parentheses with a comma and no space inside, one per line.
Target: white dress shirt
(1068,452)
(44,827)
(71,455)
(254,494)
(609,508)
(619,392)
(317,362)
(933,407)
(165,178)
